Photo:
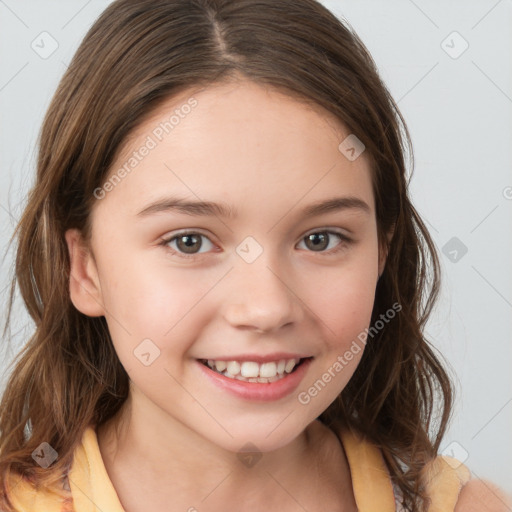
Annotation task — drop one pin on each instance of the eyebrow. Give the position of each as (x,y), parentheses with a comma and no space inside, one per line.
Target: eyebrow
(208,208)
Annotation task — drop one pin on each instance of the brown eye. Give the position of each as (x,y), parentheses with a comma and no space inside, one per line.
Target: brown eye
(317,241)
(186,244)
(321,240)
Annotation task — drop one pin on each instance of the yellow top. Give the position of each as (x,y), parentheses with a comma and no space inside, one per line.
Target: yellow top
(92,491)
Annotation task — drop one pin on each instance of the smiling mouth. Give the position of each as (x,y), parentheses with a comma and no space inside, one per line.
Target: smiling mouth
(251,371)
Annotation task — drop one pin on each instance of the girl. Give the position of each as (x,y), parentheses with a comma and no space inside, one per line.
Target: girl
(228,279)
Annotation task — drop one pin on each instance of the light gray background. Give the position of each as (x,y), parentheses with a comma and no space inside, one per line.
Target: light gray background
(458,108)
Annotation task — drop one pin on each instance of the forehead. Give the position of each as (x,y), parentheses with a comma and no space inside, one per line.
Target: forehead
(239,142)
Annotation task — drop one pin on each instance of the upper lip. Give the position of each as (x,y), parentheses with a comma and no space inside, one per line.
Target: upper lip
(259,358)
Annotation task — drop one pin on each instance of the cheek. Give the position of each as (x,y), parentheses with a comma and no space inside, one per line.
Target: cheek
(159,303)
(343,298)
(344,314)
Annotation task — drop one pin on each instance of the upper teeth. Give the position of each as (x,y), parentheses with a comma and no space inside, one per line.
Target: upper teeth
(253,369)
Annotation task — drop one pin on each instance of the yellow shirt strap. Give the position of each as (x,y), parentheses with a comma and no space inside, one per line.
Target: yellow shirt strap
(443,478)
(89,481)
(25,498)
(371,481)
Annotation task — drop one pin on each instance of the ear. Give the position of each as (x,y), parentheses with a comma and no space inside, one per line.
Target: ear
(84,285)
(383,250)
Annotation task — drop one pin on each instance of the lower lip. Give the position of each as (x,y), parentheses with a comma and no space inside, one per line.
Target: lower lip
(261,391)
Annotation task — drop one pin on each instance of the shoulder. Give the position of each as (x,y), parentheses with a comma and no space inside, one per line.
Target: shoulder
(25,496)
(449,486)
(482,496)
(19,490)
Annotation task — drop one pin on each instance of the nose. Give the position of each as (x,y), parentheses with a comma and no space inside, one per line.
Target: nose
(261,299)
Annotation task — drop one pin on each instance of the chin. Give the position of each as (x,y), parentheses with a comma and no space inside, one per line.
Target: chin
(266,435)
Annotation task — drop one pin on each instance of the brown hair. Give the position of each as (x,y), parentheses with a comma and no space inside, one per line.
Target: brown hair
(136,55)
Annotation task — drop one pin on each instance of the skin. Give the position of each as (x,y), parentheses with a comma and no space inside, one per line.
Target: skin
(482,495)
(177,437)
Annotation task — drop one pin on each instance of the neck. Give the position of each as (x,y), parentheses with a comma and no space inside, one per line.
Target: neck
(146,449)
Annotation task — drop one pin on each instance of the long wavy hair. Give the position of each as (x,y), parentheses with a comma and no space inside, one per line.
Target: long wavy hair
(136,55)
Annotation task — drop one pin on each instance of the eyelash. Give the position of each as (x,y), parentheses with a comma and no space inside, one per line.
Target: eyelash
(345,240)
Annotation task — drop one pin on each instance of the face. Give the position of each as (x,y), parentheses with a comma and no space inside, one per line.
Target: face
(253,287)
